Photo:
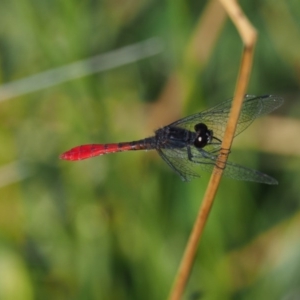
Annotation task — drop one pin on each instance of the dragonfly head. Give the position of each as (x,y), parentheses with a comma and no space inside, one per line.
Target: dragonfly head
(204,136)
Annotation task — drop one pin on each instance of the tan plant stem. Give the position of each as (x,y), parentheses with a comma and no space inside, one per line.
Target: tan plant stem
(248,36)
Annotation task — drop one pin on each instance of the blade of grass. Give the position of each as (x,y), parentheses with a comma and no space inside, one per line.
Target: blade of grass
(98,63)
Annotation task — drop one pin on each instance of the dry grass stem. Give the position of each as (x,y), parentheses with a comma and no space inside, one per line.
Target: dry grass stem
(248,35)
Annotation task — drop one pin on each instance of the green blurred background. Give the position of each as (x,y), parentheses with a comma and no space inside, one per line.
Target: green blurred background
(115,227)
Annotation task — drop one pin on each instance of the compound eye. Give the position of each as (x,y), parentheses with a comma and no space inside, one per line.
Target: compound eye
(200,127)
(202,139)
(203,136)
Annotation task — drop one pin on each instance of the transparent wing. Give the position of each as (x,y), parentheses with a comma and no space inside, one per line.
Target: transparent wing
(232,170)
(216,118)
(186,166)
(177,160)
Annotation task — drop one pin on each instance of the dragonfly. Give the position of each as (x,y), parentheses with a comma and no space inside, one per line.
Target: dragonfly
(194,141)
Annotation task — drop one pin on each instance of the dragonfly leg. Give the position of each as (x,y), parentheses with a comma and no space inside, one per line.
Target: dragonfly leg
(189,153)
(201,157)
(207,155)
(215,150)
(202,154)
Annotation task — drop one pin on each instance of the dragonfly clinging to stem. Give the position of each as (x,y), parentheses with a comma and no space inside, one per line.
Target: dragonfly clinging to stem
(194,141)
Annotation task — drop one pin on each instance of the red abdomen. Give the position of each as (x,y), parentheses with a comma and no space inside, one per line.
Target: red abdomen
(91,150)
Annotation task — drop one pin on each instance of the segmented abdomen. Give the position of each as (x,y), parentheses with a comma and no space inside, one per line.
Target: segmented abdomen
(91,150)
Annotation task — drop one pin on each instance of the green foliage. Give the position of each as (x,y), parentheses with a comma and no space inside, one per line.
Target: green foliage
(115,227)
